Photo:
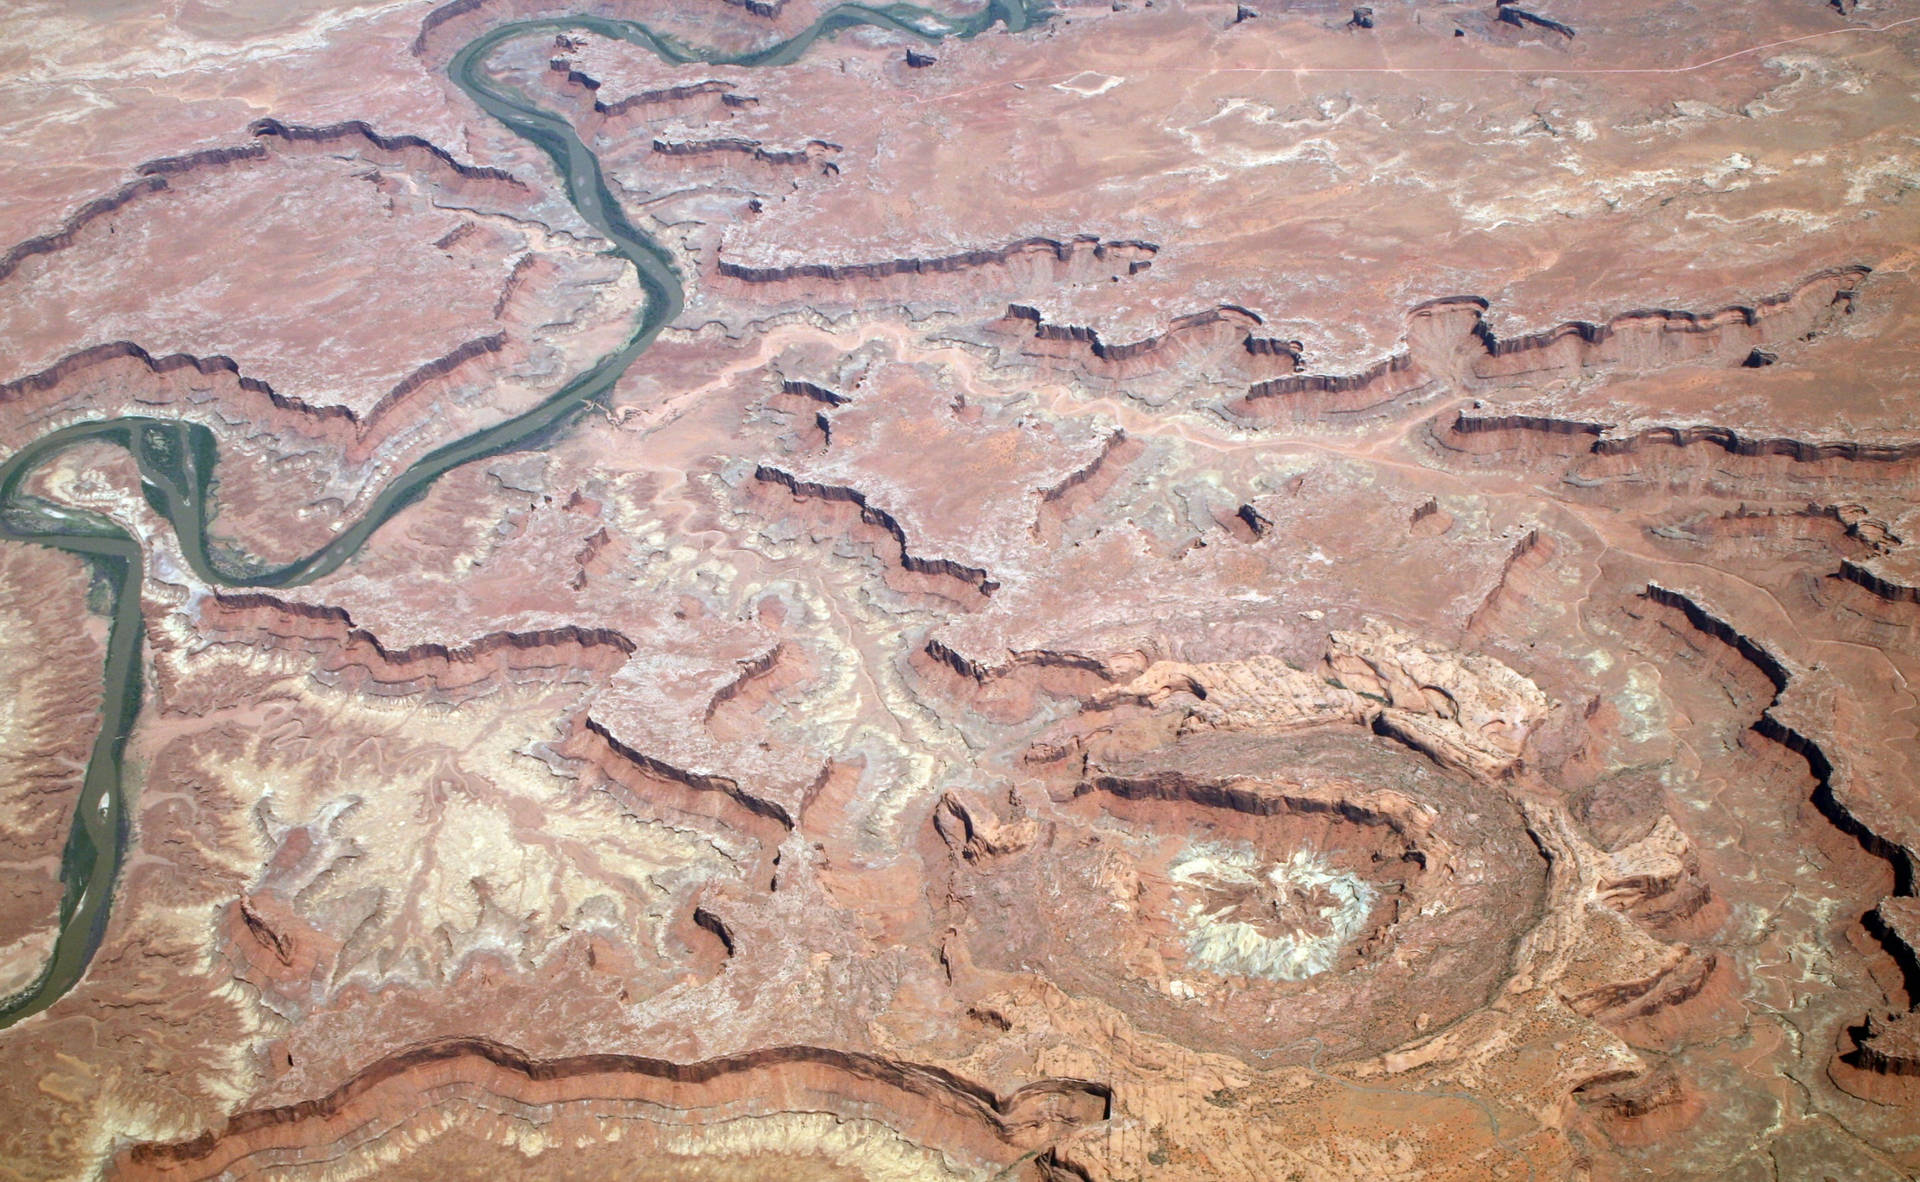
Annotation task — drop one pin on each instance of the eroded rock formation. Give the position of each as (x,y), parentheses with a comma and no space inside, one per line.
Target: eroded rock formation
(1324,596)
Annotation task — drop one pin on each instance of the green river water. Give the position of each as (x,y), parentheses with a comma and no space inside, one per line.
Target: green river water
(178,461)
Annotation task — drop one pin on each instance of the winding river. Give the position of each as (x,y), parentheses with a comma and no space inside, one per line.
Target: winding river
(178,461)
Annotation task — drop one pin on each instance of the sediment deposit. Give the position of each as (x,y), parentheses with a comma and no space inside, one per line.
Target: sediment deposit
(1122,591)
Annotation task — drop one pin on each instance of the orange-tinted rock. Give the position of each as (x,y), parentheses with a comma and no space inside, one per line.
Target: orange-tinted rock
(1188,598)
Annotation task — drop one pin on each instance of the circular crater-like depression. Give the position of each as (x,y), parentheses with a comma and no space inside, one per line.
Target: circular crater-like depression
(1325,895)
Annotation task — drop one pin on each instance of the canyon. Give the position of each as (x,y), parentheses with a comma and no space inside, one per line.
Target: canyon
(1081,591)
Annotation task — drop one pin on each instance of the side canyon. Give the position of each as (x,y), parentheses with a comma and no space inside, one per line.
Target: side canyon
(1103,591)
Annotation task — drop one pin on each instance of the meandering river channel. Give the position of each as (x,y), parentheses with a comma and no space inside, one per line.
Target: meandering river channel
(179,461)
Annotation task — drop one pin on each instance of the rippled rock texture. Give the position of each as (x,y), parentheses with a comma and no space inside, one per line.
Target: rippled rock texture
(1195,594)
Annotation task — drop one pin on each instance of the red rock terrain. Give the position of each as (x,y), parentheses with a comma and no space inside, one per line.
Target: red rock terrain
(1196,593)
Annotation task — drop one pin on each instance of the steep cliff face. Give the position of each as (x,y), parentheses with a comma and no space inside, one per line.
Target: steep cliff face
(1312,593)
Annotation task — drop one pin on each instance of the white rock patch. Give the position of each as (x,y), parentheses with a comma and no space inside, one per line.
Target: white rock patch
(1235,946)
